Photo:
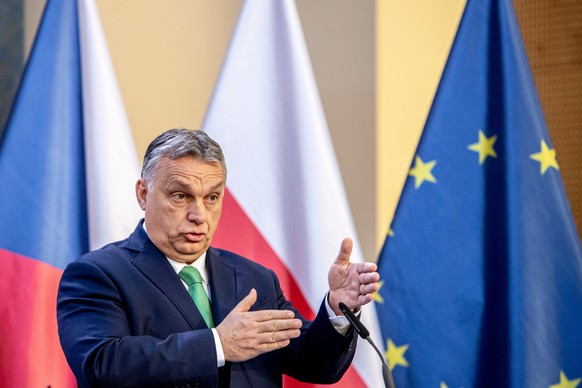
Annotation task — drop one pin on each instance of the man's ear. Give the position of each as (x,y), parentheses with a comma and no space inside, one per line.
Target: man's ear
(141,193)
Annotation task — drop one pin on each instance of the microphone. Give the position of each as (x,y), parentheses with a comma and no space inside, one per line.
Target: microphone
(365,334)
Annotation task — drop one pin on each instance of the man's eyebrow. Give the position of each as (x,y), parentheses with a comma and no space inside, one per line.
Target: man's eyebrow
(176,182)
(217,186)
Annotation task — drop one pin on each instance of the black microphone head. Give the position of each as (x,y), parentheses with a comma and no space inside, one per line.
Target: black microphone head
(357,325)
(343,307)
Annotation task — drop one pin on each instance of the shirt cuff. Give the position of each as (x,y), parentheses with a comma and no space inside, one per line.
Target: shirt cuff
(339,322)
(220,361)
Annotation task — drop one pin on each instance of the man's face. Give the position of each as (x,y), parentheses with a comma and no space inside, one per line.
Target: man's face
(182,206)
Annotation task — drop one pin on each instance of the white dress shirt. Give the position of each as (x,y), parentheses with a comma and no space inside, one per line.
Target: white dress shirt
(200,265)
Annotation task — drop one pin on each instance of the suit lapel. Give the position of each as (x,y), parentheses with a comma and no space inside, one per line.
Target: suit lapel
(222,280)
(153,264)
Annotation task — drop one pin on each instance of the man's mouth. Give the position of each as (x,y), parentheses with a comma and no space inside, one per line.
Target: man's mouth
(194,237)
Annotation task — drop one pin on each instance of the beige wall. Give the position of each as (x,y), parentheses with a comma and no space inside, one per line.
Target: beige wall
(167,55)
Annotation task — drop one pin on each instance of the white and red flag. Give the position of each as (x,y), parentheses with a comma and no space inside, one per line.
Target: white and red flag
(285,205)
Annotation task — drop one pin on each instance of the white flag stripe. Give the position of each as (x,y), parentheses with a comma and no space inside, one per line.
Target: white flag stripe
(112,165)
(267,116)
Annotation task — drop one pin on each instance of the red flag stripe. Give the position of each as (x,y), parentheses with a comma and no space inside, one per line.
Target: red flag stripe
(238,234)
(32,286)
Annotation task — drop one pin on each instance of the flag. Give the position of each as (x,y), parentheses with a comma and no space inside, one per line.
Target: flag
(482,267)
(66,160)
(285,204)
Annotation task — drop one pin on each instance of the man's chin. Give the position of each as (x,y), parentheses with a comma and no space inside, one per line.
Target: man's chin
(192,249)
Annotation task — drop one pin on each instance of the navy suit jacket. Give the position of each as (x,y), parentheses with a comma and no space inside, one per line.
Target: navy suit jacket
(126,319)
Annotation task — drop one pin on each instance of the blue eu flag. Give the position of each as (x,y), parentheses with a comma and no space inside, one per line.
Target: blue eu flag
(482,269)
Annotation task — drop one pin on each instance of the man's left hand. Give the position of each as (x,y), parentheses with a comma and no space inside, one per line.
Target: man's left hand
(351,283)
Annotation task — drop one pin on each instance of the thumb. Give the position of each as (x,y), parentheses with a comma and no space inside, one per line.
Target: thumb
(343,256)
(248,301)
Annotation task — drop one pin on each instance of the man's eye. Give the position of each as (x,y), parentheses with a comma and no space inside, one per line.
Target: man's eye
(212,198)
(179,196)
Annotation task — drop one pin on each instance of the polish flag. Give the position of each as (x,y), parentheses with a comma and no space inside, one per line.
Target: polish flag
(285,204)
(67,171)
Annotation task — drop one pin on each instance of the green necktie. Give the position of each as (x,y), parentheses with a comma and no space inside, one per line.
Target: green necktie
(196,290)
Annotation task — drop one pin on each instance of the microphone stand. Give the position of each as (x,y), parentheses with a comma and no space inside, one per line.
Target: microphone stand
(365,334)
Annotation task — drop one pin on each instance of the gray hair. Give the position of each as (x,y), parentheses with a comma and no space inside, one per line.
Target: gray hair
(180,142)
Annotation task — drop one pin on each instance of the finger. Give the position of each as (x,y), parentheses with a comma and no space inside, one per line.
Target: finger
(369,277)
(278,336)
(365,299)
(343,256)
(367,267)
(271,315)
(279,325)
(248,301)
(369,288)
(270,346)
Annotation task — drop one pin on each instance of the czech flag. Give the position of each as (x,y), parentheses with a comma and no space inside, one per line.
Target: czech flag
(67,171)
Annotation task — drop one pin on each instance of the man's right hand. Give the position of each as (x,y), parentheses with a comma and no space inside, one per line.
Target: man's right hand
(246,334)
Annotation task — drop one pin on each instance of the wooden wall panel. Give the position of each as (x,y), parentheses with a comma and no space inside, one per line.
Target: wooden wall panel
(552,33)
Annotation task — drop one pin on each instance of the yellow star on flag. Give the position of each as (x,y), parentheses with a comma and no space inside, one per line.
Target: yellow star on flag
(484,146)
(443,385)
(422,172)
(565,383)
(376,295)
(546,157)
(390,232)
(395,354)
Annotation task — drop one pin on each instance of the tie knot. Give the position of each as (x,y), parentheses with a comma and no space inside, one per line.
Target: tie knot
(190,275)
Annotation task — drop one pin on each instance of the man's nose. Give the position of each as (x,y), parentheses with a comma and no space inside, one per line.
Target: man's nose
(197,212)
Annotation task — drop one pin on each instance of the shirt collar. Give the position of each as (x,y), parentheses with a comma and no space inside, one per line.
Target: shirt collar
(199,264)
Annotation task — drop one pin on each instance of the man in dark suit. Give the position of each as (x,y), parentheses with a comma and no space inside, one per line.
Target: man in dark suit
(126,317)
